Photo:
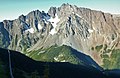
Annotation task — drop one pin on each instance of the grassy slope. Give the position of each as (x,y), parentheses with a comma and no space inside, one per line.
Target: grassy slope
(111,61)
(55,54)
(62,54)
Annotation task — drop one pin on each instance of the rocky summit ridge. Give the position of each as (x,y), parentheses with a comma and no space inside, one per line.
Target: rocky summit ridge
(92,32)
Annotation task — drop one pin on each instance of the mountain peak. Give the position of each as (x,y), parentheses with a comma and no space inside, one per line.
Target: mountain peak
(66,4)
(52,12)
(85,30)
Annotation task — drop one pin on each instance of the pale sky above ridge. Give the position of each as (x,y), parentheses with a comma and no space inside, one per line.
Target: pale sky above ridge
(12,9)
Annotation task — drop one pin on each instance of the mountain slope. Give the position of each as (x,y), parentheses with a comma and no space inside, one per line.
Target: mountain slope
(94,33)
(62,54)
(24,67)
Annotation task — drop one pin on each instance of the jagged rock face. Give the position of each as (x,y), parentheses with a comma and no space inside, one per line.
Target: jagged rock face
(4,36)
(81,28)
(25,31)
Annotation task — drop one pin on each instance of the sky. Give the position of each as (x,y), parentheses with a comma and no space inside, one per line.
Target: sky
(12,9)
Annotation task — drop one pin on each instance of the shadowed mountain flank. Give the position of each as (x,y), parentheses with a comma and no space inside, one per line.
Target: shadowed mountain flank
(24,67)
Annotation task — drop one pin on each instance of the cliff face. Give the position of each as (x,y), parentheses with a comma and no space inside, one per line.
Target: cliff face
(93,32)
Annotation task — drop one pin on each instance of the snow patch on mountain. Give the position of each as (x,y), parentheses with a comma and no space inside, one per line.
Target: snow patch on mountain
(54,22)
(63,61)
(90,30)
(56,59)
(78,15)
(27,20)
(46,22)
(40,52)
(31,30)
(39,27)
